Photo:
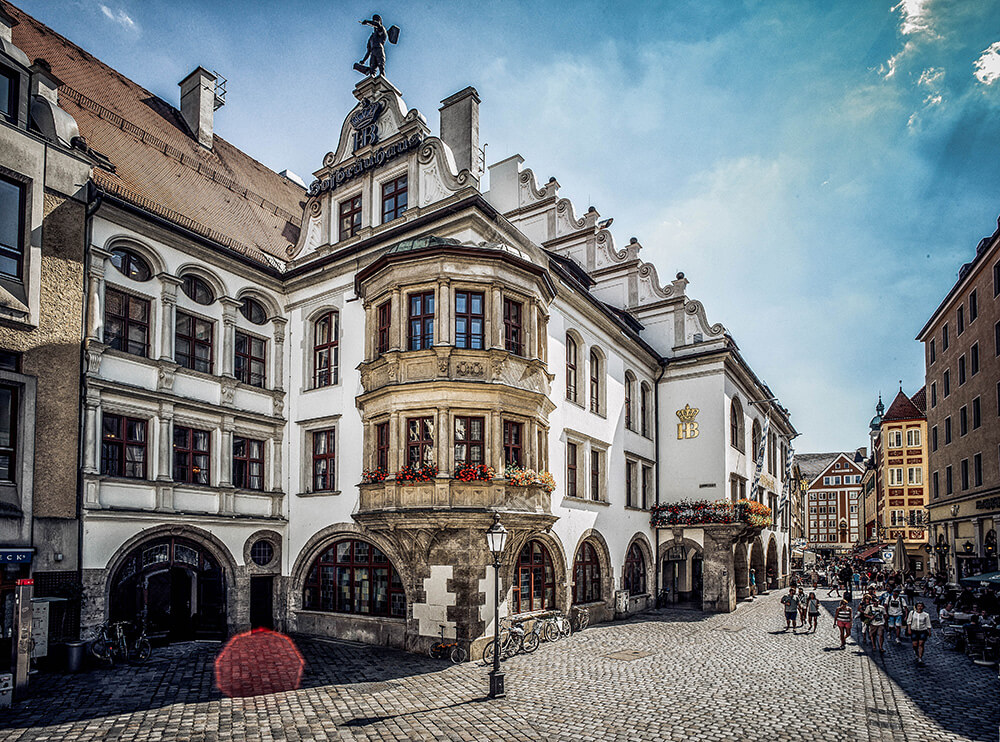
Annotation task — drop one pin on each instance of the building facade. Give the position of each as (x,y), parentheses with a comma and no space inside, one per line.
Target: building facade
(304,406)
(832,501)
(962,356)
(899,455)
(44,168)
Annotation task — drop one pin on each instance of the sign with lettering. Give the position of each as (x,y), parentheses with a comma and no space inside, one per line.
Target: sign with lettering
(365,123)
(989,503)
(362,165)
(687,427)
(15,556)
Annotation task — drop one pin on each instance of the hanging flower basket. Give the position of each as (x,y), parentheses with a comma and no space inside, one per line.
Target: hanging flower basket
(416,474)
(474,473)
(706,512)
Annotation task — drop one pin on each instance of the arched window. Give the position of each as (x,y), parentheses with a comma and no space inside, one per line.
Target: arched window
(595,382)
(130,264)
(635,571)
(736,437)
(586,575)
(254,311)
(629,396)
(755,438)
(354,576)
(534,588)
(197,290)
(326,349)
(644,407)
(571,357)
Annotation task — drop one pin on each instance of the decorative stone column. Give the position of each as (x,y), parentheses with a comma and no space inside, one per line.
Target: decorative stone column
(493,318)
(229,307)
(442,432)
(226,452)
(530,330)
(395,449)
(398,320)
(276,482)
(95,293)
(164,446)
(91,430)
(442,313)
(719,582)
(168,315)
(977,532)
(279,352)
(495,442)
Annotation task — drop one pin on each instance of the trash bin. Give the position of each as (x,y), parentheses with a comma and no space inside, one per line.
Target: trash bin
(74,656)
(6,689)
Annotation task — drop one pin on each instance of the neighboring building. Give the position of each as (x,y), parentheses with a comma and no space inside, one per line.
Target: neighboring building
(899,455)
(869,509)
(832,502)
(304,406)
(962,354)
(44,168)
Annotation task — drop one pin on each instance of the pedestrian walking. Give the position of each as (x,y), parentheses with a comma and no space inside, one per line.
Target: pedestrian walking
(753,583)
(895,606)
(844,617)
(834,585)
(812,610)
(864,612)
(876,625)
(919,626)
(790,603)
(802,607)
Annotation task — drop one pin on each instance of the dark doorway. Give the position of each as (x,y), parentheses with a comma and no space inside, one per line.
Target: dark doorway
(697,578)
(262,602)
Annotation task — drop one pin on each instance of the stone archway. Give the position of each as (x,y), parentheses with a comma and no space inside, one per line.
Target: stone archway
(784,562)
(681,567)
(603,610)
(741,571)
(757,566)
(771,568)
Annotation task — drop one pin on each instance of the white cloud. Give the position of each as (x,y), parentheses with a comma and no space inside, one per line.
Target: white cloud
(988,65)
(914,17)
(931,77)
(120,17)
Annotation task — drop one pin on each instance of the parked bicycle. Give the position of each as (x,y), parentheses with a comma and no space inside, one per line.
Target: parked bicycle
(556,627)
(513,639)
(453,650)
(112,643)
(581,619)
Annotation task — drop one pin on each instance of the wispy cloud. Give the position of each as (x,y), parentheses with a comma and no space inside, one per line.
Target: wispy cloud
(914,17)
(120,17)
(988,65)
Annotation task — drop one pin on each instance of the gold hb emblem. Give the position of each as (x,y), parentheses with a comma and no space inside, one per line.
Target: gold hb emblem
(687,427)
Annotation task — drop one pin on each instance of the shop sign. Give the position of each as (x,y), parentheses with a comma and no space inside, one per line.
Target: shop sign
(989,503)
(15,556)
(361,165)
(687,427)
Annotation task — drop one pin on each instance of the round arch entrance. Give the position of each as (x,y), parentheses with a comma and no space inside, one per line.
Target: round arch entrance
(757,565)
(175,586)
(772,564)
(742,571)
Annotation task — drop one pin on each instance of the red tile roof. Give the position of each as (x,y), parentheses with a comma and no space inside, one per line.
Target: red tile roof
(902,408)
(222,194)
(920,400)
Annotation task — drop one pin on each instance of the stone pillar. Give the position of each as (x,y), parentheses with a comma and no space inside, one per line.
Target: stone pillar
(371,332)
(442,432)
(719,584)
(996,527)
(229,307)
(442,314)
(168,315)
(493,317)
(530,330)
(279,352)
(95,294)
(91,431)
(226,453)
(398,316)
(276,482)
(164,444)
(395,449)
(494,445)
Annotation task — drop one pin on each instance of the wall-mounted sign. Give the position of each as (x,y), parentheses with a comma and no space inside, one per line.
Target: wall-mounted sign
(365,123)
(15,556)
(989,503)
(687,427)
(768,482)
(362,165)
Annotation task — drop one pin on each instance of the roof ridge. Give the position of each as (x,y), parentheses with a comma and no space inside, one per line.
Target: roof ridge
(206,171)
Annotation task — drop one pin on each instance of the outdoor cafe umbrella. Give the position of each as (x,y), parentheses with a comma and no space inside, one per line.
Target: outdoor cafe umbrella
(899,560)
(989,578)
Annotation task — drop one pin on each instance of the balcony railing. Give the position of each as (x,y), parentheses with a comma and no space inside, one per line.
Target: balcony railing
(444,493)
(706,512)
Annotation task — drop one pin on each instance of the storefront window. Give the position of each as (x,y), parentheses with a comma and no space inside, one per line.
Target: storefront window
(354,576)
(534,588)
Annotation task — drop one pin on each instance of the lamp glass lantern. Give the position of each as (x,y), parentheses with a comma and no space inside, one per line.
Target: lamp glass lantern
(496,537)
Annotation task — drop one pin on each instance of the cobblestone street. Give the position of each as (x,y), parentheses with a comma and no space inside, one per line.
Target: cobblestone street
(683,675)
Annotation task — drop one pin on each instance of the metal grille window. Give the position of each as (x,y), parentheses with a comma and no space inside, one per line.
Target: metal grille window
(469,319)
(126,322)
(393,198)
(420,441)
(192,455)
(250,359)
(350,217)
(384,324)
(8,432)
(512,432)
(326,350)
(421,314)
(586,575)
(193,342)
(535,588)
(571,468)
(248,463)
(354,576)
(262,552)
(324,460)
(469,444)
(12,213)
(513,333)
(635,571)
(382,446)
(571,377)
(123,447)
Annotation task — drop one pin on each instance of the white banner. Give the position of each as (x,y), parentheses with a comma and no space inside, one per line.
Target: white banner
(755,489)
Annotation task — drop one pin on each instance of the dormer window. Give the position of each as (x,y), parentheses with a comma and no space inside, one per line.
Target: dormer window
(8,94)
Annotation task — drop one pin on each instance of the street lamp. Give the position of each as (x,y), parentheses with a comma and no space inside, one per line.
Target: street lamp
(496,539)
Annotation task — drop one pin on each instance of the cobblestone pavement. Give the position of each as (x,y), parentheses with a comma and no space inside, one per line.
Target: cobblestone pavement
(677,674)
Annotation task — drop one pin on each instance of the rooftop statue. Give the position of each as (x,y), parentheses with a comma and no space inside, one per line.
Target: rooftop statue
(375,56)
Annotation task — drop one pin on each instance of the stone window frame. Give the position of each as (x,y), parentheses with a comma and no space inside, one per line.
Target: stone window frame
(213,343)
(597,398)
(266,381)
(586,445)
(274,566)
(306,430)
(24,289)
(374,218)
(19,492)
(151,324)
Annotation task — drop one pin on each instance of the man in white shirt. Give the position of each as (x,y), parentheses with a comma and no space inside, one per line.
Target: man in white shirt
(919,624)
(895,606)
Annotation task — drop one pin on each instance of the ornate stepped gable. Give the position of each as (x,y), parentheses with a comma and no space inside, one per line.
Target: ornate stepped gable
(621,278)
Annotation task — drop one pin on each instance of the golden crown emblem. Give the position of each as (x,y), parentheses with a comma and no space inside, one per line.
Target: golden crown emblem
(688,414)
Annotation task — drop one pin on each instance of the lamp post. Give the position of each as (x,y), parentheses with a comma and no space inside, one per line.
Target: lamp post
(496,539)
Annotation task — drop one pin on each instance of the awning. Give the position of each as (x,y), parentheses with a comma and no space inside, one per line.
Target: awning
(869,551)
(992,578)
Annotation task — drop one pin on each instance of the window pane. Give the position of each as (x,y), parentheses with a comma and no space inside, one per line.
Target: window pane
(10,215)
(6,416)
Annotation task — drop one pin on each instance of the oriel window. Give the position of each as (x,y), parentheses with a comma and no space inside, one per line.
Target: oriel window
(469,443)
(420,441)
(384,325)
(421,320)
(393,198)
(513,334)
(382,446)
(512,432)
(350,217)
(469,319)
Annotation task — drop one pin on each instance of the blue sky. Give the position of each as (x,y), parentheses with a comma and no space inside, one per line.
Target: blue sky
(819,170)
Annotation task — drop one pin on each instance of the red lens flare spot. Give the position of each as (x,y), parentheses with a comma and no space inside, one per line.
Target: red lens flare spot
(258,662)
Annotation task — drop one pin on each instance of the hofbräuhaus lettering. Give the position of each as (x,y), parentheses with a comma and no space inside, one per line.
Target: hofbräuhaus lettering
(362,165)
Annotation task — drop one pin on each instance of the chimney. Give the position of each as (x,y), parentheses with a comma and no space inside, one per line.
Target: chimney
(460,129)
(198,104)
(7,22)
(43,83)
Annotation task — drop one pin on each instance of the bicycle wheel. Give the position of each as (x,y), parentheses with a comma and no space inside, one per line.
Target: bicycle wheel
(100,649)
(550,632)
(142,651)
(432,651)
(488,654)
(458,654)
(530,642)
(582,620)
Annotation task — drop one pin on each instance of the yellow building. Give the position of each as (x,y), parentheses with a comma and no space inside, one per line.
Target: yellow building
(899,445)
